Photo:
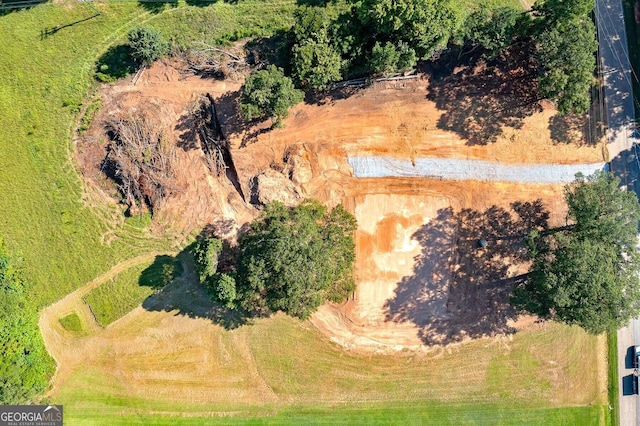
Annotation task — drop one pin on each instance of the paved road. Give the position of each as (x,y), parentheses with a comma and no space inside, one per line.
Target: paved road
(616,69)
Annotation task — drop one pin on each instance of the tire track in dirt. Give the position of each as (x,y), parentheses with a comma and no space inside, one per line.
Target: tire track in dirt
(68,358)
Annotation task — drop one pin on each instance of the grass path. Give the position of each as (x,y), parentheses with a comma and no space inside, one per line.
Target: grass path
(68,359)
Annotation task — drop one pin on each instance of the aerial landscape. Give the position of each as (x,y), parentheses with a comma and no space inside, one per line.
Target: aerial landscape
(320,211)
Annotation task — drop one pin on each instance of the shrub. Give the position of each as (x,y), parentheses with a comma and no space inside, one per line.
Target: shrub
(147,45)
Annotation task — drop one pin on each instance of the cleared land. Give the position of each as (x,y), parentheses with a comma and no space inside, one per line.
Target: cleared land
(173,358)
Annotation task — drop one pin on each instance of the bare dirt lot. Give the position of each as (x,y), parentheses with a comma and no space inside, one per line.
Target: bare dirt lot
(422,280)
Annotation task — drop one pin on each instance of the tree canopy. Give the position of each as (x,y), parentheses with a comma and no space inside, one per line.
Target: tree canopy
(25,365)
(587,273)
(147,45)
(425,25)
(567,55)
(491,29)
(295,259)
(268,93)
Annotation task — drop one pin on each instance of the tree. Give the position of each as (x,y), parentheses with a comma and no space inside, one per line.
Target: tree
(315,63)
(147,45)
(551,12)
(295,259)
(269,93)
(222,288)
(586,273)
(390,59)
(493,30)
(425,25)
(567,55)
(205,254)
(25,365)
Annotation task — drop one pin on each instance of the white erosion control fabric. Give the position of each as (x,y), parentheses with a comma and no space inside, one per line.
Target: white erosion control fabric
(449,168)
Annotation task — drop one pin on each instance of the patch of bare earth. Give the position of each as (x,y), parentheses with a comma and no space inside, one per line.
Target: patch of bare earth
(421,277)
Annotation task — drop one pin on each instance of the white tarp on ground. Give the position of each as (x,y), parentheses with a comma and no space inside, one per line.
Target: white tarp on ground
(449,168)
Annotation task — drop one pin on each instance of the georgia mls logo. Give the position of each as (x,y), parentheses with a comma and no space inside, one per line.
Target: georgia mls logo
(31,415)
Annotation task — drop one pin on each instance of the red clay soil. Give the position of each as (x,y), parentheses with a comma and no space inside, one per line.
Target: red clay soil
(421,278)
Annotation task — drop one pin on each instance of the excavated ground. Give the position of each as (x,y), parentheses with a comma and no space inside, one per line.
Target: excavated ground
(421,278)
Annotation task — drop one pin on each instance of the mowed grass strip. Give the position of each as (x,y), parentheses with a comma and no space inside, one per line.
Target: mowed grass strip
(382,414)
(283,367)
(127,290)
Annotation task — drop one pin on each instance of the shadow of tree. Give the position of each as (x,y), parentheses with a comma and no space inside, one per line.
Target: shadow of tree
(458,288)
(157,6)
(480,98)
(184,295)
(585,129)
(115,63)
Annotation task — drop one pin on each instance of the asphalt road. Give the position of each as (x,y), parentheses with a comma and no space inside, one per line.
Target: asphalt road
(618,93)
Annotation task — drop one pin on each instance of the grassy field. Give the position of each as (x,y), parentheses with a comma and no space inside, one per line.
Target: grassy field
(282,371)
(125,291)
(72,323)
(278,371)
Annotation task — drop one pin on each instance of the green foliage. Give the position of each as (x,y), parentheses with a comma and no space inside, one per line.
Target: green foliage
(25,365)
(205,254)
(295,259)
(551,12)
(491,29)
(425,25)
(390,59)
(567,55)
(72,323)
(222,289)
(316,63)
(587,273)
(269,93)
(147,45)
(89,115)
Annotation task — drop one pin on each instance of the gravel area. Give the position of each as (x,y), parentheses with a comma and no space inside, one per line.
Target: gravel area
(449,168)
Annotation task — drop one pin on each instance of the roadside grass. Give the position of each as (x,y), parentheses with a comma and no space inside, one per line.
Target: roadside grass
(380,414)
(127,290)
(72,323)
(612,383)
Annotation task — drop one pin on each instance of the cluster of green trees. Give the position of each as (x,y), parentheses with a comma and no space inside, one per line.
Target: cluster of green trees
(25,365)
(291,260)
(390,36)
(588,272)
(565,35)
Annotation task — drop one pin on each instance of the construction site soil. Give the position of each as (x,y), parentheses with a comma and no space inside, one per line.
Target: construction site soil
(421,277)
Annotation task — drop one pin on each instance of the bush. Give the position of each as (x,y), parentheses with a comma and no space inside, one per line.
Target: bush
(269,93)
(391,59)
(147,45)
(25,365)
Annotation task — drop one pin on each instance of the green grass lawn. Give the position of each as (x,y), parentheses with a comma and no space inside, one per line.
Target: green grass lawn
(129,289)
(72,323)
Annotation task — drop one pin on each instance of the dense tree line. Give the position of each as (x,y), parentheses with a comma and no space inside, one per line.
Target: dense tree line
(25,365)
(291,260)
(389,36)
